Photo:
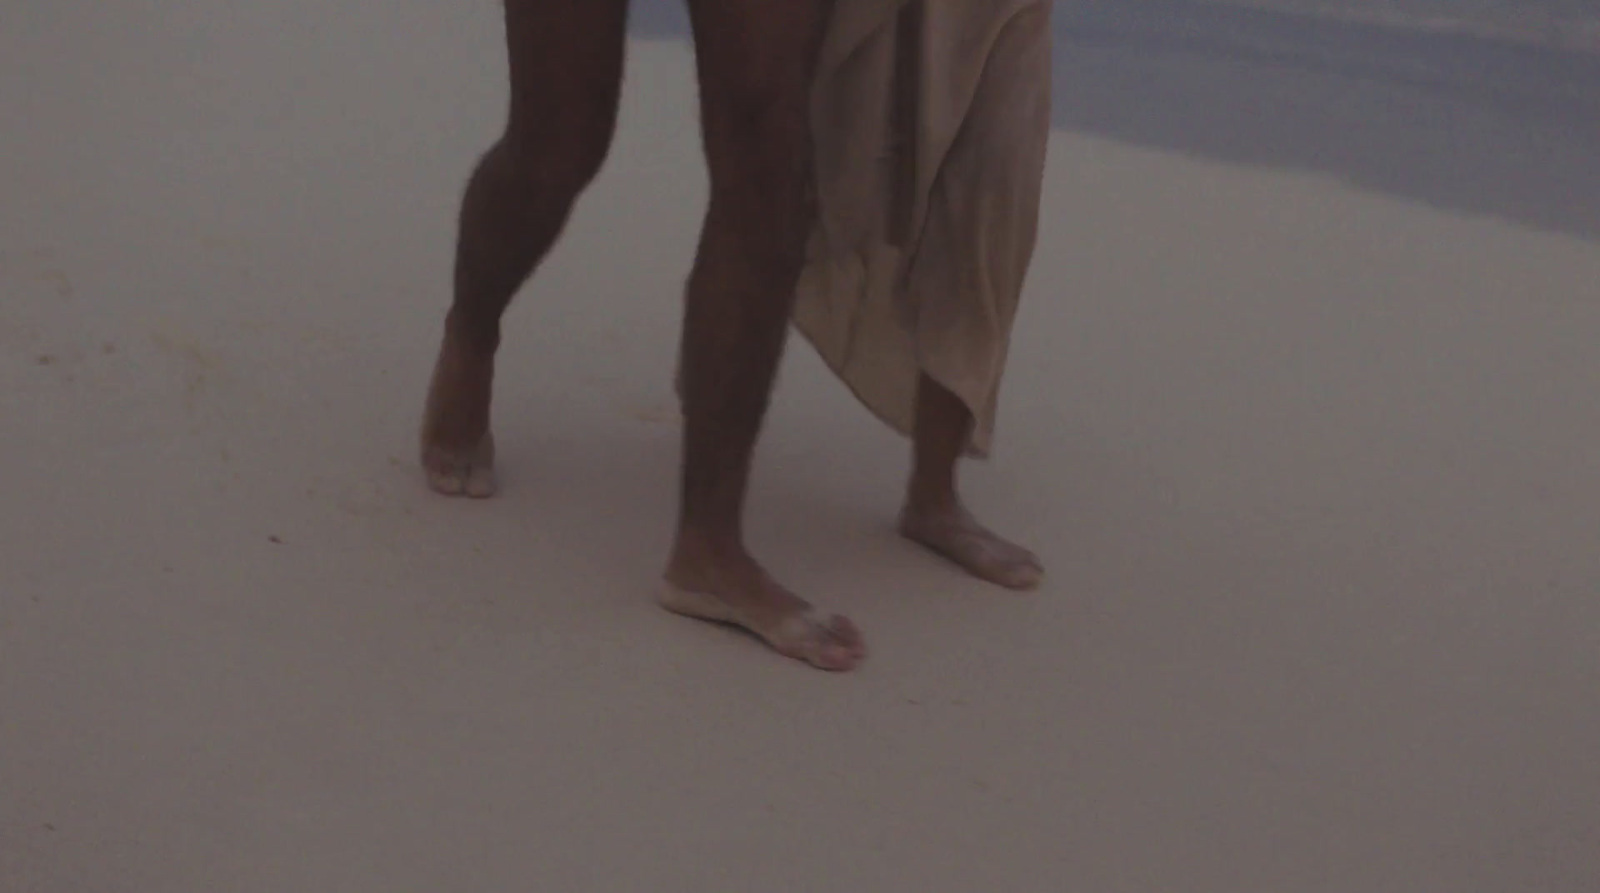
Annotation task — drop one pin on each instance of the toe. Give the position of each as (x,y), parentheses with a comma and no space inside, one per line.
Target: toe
(831,643)
(446,481)
(1023,575)
(479,482)
(847,636)
(842,644)
(1015,567)
(460,472)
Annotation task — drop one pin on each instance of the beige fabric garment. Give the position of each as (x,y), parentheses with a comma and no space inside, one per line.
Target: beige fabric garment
(943,300)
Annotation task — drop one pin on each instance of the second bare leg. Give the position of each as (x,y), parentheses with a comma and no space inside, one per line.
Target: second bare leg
(934,515)
(755,62)
(989,191)
(566,71)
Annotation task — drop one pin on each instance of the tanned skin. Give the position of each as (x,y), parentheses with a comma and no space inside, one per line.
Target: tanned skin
(754,62)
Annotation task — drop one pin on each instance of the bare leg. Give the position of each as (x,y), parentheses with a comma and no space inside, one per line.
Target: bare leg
(934,515)
(566,61)
(755,61)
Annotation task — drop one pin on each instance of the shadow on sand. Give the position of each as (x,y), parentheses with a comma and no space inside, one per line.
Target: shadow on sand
(1417,116)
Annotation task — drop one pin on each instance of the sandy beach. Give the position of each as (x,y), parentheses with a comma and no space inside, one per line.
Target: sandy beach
(1303,418)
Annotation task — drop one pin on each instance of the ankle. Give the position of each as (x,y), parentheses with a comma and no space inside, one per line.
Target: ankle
(698,556)
(932,501)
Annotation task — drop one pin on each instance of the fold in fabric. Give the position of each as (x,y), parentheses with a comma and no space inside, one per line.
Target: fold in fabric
(930,120)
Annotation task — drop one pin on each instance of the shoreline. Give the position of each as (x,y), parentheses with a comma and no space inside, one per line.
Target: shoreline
(1543,30)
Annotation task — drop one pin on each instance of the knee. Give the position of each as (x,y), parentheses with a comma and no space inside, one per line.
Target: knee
(761,130)
(562,154)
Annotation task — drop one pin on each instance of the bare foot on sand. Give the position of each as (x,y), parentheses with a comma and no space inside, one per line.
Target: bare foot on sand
(956,535)
(467,471)
(735,590)
(457,446)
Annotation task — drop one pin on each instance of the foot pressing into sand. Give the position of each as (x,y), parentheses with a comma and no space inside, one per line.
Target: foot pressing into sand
(464,471)
(956,535)
(934,515)
(727,586)
(457,446)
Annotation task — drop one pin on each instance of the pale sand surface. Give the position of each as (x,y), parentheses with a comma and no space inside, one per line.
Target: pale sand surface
(1303,418)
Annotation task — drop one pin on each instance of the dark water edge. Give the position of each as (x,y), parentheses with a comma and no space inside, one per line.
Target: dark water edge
(1563,24)
(1467,122)
(1549,24)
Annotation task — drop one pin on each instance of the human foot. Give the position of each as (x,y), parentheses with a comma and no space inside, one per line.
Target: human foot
(737,591)
(460,471)
(457,447)
(956,535)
